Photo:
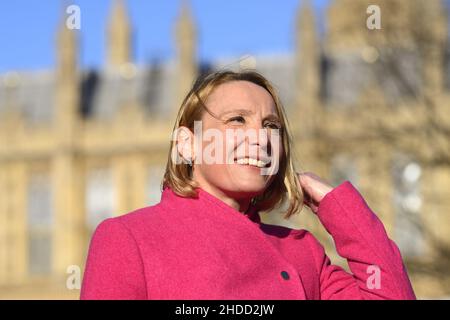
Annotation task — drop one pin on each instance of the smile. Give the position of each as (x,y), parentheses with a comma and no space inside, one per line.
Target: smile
(252,162)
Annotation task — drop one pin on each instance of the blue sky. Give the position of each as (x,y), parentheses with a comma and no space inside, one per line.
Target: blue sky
(226,28)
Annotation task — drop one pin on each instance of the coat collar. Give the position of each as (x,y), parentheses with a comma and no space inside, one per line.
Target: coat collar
(205,199)
(209,204)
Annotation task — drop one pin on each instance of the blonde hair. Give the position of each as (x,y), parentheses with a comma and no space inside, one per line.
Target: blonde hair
(285,185)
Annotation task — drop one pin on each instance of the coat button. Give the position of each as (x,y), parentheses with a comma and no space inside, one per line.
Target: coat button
(285,275)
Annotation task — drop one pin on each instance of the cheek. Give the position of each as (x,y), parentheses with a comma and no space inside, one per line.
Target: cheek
(280,152)
(214,165)
(276,140)
(223,173)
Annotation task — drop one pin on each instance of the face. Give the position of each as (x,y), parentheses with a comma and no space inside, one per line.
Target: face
(246,121)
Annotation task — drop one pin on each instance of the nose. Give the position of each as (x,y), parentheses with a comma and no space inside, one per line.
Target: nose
(262,133)
(259,140)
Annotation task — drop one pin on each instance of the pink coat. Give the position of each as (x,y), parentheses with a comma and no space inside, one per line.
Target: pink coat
(184,248)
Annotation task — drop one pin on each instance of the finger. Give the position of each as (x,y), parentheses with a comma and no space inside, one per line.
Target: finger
(303,180)
(307,178)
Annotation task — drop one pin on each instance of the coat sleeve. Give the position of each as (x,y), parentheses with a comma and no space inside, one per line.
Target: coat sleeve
(114,268)
(377,269)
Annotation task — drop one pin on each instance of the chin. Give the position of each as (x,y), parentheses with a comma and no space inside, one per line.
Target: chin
(250,189)
(248,185)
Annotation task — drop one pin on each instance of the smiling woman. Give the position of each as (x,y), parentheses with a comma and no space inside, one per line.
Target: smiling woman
(247,106)
(205,239)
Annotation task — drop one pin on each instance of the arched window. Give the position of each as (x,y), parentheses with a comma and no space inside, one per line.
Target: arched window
(407,205)
(100,203)
(40,221)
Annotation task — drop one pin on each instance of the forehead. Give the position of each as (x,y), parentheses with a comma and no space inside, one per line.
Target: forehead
(241,95)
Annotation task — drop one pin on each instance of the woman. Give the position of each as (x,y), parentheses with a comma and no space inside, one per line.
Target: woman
(205,240)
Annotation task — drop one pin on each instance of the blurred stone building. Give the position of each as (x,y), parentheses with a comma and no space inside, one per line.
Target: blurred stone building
(369,106)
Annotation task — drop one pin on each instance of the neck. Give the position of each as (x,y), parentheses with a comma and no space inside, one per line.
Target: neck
(239,204)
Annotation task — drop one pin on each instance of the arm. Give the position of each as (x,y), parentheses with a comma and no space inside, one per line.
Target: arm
(114,268)
(360,238)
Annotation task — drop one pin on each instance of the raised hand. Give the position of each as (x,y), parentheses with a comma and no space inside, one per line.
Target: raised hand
(314,189)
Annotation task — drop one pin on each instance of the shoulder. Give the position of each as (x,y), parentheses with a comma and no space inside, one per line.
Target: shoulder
(131,225)
(314,244)
(293,236)
(300,245)
(142,215)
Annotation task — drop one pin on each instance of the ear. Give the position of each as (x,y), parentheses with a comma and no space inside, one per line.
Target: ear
(185,144)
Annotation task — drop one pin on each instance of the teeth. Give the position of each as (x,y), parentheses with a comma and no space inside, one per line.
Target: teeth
(242,161)
(252,162)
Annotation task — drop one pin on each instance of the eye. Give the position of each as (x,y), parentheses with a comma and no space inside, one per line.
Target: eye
(272,125)
(237,119)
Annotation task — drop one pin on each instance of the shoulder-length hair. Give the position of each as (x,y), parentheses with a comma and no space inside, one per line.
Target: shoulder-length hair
(285,185)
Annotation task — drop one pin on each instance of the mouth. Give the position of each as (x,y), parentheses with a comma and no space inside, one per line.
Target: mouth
(253,162)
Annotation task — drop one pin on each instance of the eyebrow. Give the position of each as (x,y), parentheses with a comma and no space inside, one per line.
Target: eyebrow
(272,116)
(240,111)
